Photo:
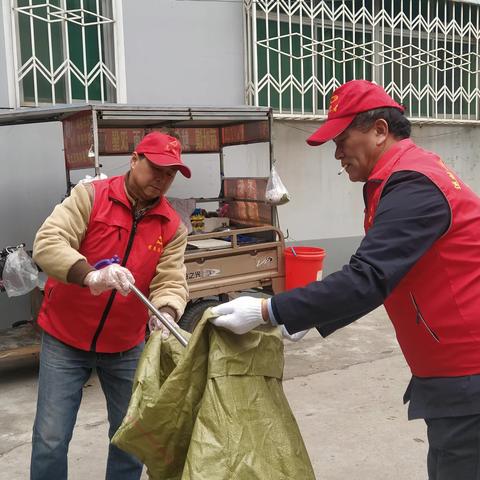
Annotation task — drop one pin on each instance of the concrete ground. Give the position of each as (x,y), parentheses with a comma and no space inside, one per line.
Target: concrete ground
(345,391)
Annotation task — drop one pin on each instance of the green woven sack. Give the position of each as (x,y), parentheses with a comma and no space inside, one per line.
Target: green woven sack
(214,411)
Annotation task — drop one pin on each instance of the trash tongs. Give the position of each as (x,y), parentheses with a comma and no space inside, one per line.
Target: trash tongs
(165,321)
(172,327)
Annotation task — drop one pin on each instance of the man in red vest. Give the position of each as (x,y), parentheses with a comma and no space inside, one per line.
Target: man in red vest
(420,257)
(104,236)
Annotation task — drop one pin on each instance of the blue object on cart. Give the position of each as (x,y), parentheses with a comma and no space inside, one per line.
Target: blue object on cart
(245,239)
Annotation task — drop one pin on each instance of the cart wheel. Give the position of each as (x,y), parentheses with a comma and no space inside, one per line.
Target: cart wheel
(194,313)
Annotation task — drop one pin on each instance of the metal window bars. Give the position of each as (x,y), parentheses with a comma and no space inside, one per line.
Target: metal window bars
(424,52)
(64,51)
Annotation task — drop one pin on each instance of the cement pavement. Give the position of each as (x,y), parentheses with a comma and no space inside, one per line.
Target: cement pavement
(345,391)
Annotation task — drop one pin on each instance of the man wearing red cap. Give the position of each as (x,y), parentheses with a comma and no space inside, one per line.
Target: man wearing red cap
(420,257)
(106,235)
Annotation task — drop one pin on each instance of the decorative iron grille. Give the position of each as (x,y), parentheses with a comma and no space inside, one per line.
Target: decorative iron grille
(64,51)
(424,52)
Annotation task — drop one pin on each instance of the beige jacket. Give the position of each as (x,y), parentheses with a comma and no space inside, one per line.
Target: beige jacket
(57,242)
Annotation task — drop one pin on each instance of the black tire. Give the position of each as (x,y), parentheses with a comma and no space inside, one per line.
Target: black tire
(194,313)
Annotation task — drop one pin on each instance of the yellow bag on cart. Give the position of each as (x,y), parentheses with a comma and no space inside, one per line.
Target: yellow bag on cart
(214,411)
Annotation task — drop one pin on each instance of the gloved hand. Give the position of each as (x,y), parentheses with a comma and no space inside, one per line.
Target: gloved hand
(155,324)
(293,337)
(240,315)
(112,276)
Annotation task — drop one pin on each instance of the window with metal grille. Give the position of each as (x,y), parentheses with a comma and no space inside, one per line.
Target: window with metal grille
(425,53)
(64,51)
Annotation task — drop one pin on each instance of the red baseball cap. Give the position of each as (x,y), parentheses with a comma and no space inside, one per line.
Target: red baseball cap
(347,101)
(163,150)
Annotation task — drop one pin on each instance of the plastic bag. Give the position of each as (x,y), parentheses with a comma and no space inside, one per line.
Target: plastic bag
(20,274)
(184,207)
(89,178)
(277,193)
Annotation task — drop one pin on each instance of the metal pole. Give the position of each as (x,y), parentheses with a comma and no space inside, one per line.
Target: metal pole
(254,46)
(165,321)
(95,142)
(222,165)
(275,219)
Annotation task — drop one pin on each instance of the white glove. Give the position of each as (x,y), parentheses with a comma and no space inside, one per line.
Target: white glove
(113,276)
(155,324)
(293,337)
(240,315)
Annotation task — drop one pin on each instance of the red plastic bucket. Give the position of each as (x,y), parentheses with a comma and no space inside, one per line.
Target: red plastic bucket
(303,265)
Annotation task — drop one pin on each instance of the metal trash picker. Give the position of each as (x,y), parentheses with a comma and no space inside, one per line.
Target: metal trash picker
(165,321)
(172,327)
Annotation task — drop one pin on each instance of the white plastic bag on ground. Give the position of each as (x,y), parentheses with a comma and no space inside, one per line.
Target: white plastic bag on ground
(277,193)
(20,274)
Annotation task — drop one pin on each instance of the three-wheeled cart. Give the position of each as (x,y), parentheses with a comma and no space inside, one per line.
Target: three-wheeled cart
(247,255)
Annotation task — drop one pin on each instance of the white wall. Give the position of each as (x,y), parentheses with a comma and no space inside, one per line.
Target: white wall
(184,52)
(3,65)
(458,146)
(324,205)
(31,183)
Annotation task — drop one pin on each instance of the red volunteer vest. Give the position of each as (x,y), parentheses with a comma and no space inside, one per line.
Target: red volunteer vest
(435,308)
(110,322)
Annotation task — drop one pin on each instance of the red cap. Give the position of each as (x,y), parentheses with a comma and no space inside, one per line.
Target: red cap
(163,150)
(347,101)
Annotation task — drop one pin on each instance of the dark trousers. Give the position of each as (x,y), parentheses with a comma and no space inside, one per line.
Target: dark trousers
(454,448)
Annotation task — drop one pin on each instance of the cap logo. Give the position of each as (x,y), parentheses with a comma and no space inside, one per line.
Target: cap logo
(172,146)
(333,104)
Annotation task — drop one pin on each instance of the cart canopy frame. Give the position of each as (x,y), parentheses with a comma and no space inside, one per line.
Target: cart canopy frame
(94,130)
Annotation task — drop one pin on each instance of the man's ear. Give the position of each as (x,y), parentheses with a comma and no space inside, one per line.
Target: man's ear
(381,130)
(134,159)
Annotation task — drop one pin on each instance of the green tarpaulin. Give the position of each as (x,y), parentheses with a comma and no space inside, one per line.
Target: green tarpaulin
(214,411)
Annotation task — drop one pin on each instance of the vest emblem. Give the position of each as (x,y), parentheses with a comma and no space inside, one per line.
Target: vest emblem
(157,246)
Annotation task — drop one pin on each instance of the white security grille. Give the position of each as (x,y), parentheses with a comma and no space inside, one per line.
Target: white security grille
(424,52)
(64,51)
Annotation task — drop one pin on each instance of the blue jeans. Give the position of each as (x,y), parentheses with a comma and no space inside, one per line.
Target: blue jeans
(63,372)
